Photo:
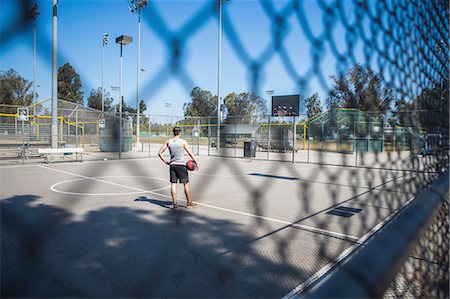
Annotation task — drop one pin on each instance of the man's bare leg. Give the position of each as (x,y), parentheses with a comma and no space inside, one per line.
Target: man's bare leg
(173,192)
(187,192)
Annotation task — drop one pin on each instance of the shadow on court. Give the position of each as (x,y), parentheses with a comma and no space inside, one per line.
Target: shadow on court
(116,252)
(162,203)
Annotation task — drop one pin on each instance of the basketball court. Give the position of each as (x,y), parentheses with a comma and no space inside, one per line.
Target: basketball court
(262,228)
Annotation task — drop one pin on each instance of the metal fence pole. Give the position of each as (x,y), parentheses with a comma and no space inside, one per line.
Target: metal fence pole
(198,137)
(15,128)
(323,137)
(76,128)
(309,138)
(68,130)
(235,139)
(23,142)
(149,136)
(209,135)
(355,146)
(294,143)
(268,138)
(28,133)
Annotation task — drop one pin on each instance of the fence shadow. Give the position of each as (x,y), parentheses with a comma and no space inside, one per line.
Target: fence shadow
(119,252)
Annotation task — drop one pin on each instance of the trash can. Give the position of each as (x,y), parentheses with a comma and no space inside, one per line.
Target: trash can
(250,149)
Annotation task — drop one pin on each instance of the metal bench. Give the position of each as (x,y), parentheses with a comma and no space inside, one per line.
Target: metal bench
(61,153)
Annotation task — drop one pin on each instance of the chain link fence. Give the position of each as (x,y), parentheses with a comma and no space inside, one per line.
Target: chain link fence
(407,41)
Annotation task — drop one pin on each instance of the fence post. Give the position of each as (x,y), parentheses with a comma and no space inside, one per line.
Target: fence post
(28,133)
(198,137)
(61,129)
(294,143)
(76,128)
(149,135)
(15,127)
(23,142)
(209,135)
(97,129)
(323,137)
(68,130)
(355,145)
(309,137)
(268,137)
(37,129)
(235,140)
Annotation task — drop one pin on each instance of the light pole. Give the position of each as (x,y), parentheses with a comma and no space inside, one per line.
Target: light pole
(105,42)
(54,127)
(219,71)
(168,105)
(122,40)
(34,14)
(137,6)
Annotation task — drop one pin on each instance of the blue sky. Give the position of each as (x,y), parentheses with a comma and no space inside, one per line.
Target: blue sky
(248,38)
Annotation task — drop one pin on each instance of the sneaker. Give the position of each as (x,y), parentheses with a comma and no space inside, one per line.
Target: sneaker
(191,205)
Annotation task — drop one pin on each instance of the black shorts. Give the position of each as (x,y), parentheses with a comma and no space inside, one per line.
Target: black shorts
(179,173)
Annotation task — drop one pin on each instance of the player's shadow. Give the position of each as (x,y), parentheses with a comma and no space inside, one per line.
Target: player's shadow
(162,203)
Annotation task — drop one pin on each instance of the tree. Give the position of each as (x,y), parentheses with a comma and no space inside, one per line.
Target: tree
(69,85)
(431,108)
(401,115)
(360,88)
(14,89)
(144,119)
(240,108)
(313,105)
(95,100)
(202,103)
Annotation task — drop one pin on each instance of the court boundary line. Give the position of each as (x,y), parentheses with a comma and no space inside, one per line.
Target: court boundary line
(52,187)
(293,224)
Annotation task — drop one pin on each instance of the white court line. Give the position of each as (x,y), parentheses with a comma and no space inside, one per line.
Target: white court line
(293,224)
(53,187)
(99,180)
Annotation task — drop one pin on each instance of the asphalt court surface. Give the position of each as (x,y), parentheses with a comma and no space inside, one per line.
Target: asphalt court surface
(262,228)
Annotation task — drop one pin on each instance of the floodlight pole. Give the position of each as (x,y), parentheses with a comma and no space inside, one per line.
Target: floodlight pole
(219,72)
(105,42)
(34,13)
(122,40)
(120,102)
(137,6)
(138,106)
(54,127)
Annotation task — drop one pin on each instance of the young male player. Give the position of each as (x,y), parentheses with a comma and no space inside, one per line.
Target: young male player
(178,169)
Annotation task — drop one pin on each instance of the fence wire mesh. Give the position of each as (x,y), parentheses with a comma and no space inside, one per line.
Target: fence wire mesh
(406,41)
